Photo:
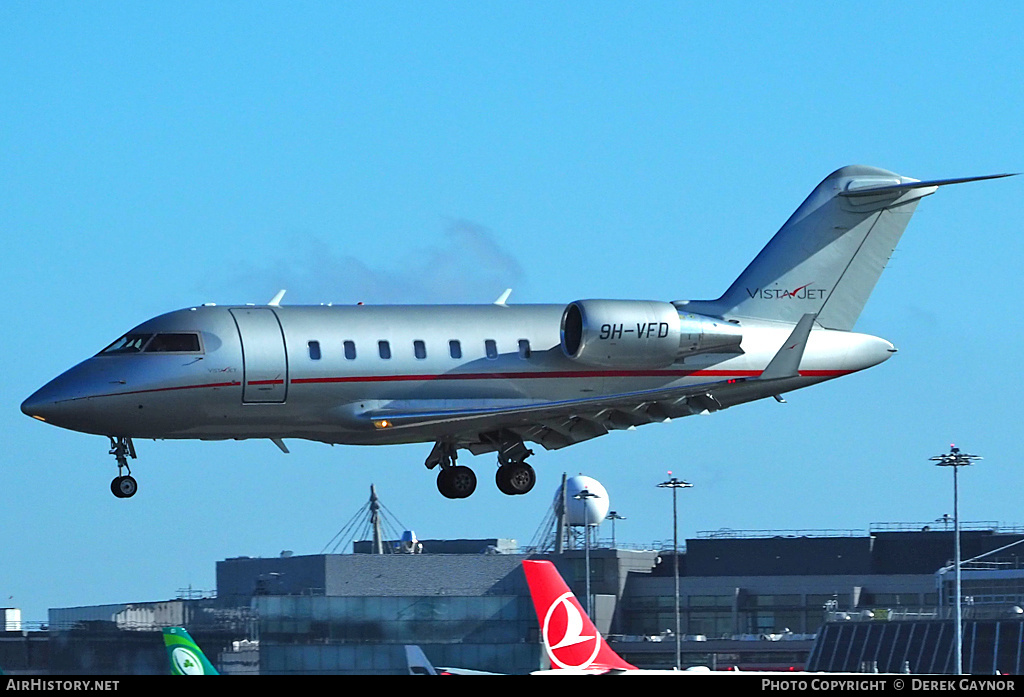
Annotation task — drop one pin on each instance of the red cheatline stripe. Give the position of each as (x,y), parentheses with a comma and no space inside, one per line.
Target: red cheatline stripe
(559,375)
(494,376)
(548,375)
(180,387)
(160,389)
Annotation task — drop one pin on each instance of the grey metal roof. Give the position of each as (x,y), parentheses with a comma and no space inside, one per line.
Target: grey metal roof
(424,574)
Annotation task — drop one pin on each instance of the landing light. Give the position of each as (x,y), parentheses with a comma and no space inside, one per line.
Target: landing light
(382,423)
(38,417)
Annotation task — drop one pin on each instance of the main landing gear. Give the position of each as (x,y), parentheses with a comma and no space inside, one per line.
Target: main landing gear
(454,481)
(123,486)
(514,475)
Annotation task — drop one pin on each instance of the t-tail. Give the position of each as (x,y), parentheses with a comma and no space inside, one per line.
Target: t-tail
(827,258)
(570,639)
(185,655)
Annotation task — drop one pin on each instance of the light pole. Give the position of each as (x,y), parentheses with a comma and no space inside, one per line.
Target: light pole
(613,516)
(956,459)
(675,484)
(584,496)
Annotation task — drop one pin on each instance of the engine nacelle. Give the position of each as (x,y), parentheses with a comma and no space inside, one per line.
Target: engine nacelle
(641,333)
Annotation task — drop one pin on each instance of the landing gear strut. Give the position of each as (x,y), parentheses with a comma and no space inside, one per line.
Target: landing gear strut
(453,481)
(123,486)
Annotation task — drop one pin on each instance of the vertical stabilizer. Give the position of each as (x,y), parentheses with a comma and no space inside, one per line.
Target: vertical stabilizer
(417,661)
(184,654)
(829,255)
(570,639)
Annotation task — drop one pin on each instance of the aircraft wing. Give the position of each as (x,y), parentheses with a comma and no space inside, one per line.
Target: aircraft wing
(551,424)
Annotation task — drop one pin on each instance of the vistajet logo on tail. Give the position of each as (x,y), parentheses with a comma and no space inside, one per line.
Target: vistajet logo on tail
(804,292)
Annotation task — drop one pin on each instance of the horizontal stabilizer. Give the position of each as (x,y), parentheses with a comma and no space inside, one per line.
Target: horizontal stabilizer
(786,363)
(854,191)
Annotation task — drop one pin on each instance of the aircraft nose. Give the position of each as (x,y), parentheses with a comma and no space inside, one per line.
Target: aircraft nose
(34,407)
(43,404)
(64,400)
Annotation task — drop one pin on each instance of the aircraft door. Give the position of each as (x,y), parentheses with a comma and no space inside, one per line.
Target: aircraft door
(264,361)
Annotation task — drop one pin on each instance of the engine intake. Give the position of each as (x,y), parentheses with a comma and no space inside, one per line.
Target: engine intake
(641,333)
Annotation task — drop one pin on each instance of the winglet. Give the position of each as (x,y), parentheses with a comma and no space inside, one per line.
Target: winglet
(185,656)
(276,302)
(786,363)
(503,297)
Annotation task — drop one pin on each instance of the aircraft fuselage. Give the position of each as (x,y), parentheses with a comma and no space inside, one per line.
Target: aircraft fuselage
(492,378)
(283,372)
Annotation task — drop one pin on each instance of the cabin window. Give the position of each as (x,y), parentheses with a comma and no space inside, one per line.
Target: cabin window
(384,348)
(174,343)
(129,343)
(491,347)
(524,348)
(350,350)
(314,350)
(454,349)
(420,349)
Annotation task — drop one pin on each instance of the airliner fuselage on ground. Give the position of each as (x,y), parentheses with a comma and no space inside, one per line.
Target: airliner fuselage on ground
(494,378)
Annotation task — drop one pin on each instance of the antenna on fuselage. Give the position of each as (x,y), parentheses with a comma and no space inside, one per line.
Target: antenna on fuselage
(276,302)
(503,297)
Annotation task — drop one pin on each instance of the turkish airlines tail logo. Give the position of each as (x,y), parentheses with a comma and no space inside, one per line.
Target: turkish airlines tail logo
(570,639)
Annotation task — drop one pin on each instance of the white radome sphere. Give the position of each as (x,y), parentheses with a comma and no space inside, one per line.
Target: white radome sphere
(578,512)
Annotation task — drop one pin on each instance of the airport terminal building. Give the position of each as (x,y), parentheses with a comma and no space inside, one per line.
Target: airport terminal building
(828,600)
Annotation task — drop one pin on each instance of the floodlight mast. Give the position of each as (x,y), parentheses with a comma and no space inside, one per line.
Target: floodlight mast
(585,496)
(675,484)
(613,516)
(956,459)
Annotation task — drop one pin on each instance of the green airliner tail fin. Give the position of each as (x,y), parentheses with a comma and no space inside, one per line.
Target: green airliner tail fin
(185,656)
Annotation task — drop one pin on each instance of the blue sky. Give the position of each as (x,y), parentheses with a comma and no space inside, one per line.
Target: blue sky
(157,156)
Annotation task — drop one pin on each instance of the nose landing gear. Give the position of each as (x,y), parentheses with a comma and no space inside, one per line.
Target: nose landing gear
(123,486)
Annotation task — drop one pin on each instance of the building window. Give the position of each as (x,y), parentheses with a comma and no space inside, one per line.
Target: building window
(455,349)
(314,350)
(384,348)
(491,347)
(420,349)
(350,350)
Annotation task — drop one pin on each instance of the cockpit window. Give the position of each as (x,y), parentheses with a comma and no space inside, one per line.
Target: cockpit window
(174,343)
(129,343)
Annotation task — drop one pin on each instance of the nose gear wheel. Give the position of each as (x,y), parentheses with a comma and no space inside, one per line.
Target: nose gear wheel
(123,486)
